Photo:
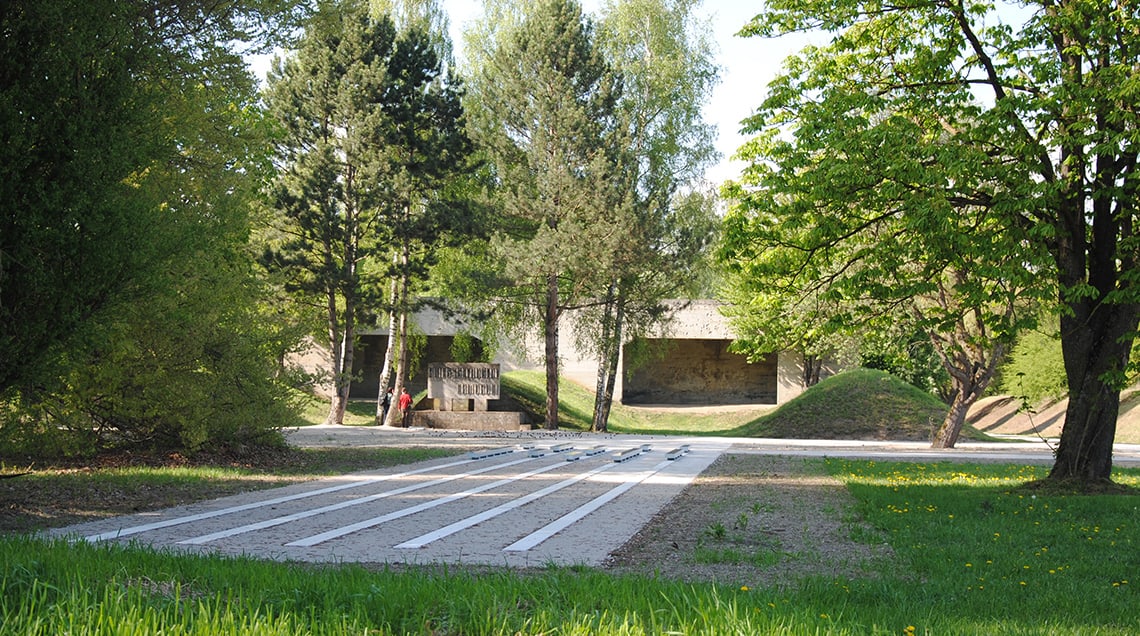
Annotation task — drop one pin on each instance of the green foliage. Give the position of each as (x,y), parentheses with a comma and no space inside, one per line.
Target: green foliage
(981,153)
(78,127)
(1035,371)
(467,348)
(155,337)
(910,357)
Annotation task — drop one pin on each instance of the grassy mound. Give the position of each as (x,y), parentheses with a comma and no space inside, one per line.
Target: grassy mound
(856,404)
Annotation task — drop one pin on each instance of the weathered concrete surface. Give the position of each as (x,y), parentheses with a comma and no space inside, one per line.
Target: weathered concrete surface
(561,502)
(506,499)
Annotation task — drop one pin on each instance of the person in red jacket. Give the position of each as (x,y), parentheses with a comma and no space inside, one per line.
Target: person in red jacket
(405,405)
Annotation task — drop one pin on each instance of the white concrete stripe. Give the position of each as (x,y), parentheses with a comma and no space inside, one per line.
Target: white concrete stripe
(463,524)
(560,524)
(375,521)
(276,521)
(157,525)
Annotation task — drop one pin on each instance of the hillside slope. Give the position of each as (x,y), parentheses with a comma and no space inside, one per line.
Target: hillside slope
(1001,415)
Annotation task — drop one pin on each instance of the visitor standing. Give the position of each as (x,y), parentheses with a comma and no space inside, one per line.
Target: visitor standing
(405,405)
(385,403)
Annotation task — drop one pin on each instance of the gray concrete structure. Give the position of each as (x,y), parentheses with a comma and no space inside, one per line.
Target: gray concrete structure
(693,365)
(515,504)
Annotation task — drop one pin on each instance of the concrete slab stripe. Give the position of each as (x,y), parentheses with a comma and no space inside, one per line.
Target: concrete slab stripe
(304,514)
(560,524)
(398,514)
(158,525)
(463,524)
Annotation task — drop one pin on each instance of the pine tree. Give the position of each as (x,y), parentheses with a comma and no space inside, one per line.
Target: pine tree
(369,128)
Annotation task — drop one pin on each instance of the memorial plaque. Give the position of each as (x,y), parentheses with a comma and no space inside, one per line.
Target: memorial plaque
(449,381)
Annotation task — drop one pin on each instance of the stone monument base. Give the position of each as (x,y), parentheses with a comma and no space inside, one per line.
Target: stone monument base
(472,420)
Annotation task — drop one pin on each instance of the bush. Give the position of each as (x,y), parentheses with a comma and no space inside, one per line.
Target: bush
(192,367)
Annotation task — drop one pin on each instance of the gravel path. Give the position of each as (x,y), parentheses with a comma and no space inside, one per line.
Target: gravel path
(745,512)
(750,518)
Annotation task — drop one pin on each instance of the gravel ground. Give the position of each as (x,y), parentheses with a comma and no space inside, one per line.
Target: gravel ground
(754,520)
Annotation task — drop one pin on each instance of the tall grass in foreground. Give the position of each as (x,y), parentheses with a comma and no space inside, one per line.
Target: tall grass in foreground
(974,556)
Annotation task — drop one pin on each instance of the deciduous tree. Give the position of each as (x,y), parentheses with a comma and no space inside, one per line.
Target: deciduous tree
(663,53)
(132,147)
(1021,115)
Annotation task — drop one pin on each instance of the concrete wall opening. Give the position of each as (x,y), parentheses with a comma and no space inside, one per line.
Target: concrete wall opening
(691,371)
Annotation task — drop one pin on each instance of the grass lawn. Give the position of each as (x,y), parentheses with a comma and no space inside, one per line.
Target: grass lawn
(975,551)
(975,554)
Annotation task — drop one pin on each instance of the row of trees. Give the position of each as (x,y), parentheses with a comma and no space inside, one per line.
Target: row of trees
(965,166)
(556,180)
(172,232)
(935,162)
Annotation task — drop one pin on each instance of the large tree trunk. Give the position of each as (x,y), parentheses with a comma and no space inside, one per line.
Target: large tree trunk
(336,353)
(1096,260)
(812,366)
(550,329)
(395,418)
(971,370)
(1096,353)
(343,373)
(951,428)
(342,369)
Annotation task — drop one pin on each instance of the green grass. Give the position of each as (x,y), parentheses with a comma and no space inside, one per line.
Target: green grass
(357,413)
(576,408)
(975,554)
(856,404)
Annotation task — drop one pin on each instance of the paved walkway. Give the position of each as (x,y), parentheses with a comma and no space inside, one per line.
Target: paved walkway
(519,499)
(527,503)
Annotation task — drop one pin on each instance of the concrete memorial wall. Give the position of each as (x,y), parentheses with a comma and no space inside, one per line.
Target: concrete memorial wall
(449,382)
(696,367)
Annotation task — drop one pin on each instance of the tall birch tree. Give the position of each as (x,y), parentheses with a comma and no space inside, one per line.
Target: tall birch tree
(664,54)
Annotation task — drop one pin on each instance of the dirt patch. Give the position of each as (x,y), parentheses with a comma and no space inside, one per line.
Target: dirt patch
(754,520)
